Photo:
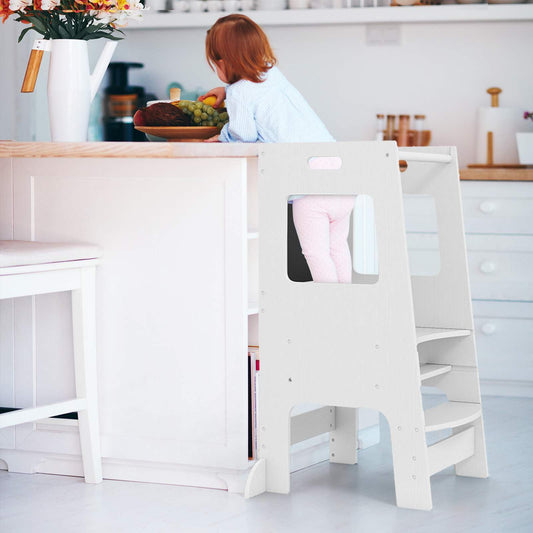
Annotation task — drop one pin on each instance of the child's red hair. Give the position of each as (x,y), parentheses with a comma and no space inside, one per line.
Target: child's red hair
(242,45)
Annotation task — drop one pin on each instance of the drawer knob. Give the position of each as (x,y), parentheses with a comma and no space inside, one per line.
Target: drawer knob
(487,267)
(488,328)
(487,207)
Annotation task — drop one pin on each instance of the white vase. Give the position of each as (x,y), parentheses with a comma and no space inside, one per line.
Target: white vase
(71,87)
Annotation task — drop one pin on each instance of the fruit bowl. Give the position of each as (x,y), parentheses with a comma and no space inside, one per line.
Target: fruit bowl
(178,133)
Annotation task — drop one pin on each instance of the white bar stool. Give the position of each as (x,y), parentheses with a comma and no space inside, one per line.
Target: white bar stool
(30,268)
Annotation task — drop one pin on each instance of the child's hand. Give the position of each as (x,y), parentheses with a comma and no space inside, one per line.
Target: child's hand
(218,92)
(213,139)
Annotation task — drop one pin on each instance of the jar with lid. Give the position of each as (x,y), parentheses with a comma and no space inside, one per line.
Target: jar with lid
(403,130)
(389,131)
(419,130)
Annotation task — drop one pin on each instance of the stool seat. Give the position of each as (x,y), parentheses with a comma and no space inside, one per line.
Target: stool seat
(22,253)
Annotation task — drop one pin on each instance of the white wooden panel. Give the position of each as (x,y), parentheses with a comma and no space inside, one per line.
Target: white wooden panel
(7,392)
(161,225)
(450,415)
(504,332)
(312,423)
(450,451)
(442,300)
(498,207)
(499,266)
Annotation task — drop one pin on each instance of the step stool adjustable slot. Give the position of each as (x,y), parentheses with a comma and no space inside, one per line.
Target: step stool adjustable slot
(451,450)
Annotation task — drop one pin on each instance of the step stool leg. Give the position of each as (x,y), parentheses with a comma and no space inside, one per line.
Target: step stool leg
(411,467)
(274,447)
(84,317)
(475,466)
(343,439)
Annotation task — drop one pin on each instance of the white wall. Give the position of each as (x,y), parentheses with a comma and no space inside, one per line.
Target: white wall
(441,70)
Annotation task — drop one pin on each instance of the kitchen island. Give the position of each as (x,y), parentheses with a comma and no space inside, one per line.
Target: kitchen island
(176,291)
(177,306)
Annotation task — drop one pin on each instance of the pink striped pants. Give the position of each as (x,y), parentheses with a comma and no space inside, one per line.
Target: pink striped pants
(322,224)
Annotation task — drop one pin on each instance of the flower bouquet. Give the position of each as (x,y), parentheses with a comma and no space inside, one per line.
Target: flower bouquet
(72,19)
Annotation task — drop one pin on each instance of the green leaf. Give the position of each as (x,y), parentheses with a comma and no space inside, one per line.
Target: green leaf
(102,35)
(24,32)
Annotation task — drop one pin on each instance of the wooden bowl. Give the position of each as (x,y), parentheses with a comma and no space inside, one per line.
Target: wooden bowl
(180,133)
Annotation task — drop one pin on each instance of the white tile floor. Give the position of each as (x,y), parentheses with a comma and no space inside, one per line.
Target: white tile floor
(324,498)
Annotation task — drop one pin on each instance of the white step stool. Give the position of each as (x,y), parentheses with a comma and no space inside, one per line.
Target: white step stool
(31,268)
(369,344)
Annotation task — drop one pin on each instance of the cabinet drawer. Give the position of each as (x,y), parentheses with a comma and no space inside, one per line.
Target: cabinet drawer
(498,207)
(488,208)
(504,331)
(500,266)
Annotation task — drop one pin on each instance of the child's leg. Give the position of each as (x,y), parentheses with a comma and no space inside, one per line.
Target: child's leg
(311,221)
(340,208)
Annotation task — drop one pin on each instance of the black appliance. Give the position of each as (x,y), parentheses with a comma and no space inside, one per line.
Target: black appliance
(120,104)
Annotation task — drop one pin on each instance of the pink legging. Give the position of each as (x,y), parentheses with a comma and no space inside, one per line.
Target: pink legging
(322,224)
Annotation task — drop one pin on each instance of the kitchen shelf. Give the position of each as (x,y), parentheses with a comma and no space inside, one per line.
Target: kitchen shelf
(365,15)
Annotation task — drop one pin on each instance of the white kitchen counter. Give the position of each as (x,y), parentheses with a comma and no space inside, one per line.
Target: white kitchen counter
(172,305)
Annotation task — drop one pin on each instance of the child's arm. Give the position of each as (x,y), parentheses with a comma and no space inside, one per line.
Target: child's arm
(218,92)
(241,126)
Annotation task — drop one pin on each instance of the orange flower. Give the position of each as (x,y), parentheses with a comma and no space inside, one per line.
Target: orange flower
(4,10)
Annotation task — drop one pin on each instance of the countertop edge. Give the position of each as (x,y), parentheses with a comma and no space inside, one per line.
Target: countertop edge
(125,149)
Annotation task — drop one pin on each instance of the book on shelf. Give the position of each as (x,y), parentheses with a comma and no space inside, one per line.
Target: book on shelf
(253,375)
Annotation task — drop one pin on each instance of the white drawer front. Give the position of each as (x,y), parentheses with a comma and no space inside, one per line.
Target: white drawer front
(504,337)
(500,266)
(484,214)
(488,207)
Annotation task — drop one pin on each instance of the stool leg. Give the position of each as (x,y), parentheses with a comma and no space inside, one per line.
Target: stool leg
(83,316)
(343,439)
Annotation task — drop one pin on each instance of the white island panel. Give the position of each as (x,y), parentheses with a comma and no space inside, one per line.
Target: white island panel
(172,325)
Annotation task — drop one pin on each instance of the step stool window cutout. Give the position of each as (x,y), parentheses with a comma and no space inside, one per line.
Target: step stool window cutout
(422,232)
(361,239)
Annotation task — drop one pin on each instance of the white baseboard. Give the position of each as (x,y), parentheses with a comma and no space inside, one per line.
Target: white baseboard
(315,451)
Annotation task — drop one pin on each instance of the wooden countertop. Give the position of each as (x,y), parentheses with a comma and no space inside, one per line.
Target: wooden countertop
(127,149)
(497,174)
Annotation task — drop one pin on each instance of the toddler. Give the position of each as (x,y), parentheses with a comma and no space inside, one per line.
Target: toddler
(263,106)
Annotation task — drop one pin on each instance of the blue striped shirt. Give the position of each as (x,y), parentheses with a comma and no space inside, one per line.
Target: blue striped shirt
(270,111)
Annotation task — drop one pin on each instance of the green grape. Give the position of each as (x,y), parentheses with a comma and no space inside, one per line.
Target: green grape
(210,111)
(224,116)
(197,112)
(197,120)
(204,116)
(216,120)
(210,123)
(191,107)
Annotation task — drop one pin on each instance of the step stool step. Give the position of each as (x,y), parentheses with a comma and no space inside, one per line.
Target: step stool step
(450,415)
(431,334)
(431,370)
